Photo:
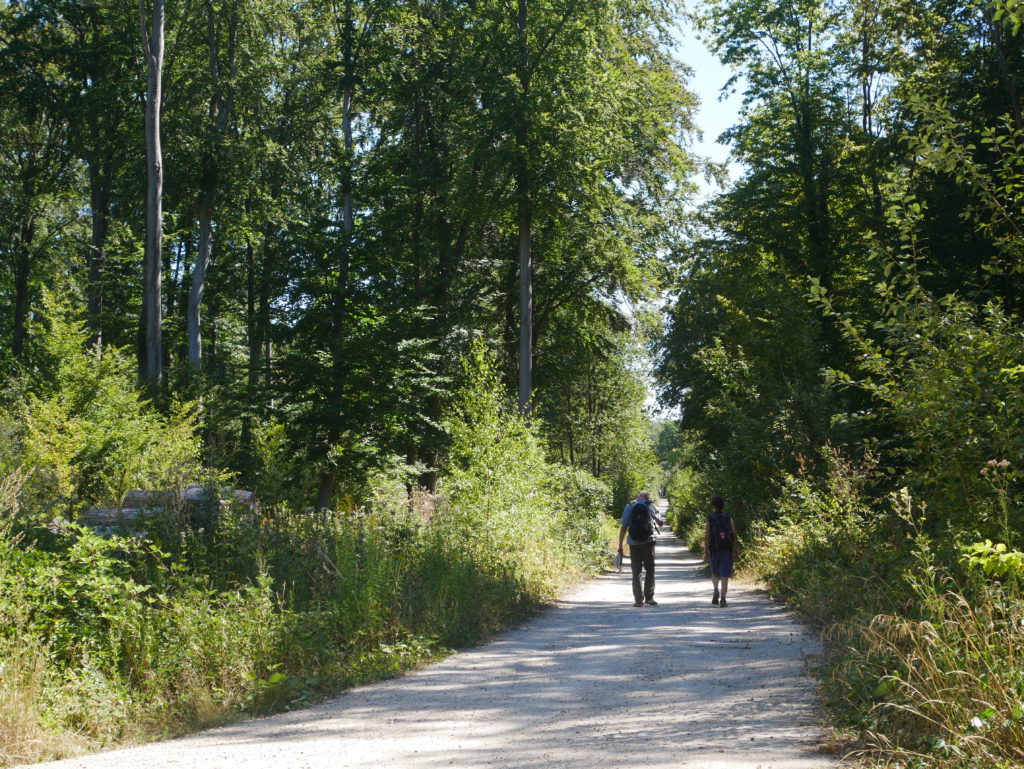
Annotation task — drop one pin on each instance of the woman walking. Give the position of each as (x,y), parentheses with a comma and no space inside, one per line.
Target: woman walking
(719,542)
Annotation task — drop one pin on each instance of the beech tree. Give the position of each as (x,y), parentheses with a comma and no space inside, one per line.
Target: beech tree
(152,313)
(353,193)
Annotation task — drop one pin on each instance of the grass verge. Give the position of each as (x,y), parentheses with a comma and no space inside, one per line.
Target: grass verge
(925,655)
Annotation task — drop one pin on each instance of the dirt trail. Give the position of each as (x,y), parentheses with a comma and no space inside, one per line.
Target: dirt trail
(592,683)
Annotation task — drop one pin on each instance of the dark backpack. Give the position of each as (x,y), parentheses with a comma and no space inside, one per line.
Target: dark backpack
(721,532)
(640,527)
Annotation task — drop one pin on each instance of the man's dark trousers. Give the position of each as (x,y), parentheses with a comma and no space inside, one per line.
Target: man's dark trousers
(642,557)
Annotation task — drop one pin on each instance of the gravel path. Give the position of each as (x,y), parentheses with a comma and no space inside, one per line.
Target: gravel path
(590,684)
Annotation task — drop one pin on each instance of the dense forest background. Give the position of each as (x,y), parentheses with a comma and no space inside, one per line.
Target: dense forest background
(387,265)
(845,348)
(400,267)
(347,191)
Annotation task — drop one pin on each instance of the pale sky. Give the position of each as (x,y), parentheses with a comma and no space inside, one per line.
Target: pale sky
(716,113)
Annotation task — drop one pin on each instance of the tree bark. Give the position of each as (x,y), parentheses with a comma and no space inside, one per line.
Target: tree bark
(22,273)
(525,217)
(153,47)
(250,319)
(818,256)
(868,123)
(998,39)
(99,203)
(328,481)
(195,294)
(263,316)
(219,114)
(525,305)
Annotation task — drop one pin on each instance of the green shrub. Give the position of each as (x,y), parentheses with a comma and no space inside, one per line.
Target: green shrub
(80,429)
(925,658)
(688,505)
(830,553)
(210,617)
(505,500)
(943,686)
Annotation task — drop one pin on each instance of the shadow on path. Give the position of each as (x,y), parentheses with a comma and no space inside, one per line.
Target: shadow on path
(591,683)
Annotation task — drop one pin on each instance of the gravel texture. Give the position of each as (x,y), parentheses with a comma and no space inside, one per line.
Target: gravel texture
(592,683)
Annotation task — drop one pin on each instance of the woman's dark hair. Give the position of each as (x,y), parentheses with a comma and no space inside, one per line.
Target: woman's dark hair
(717,503)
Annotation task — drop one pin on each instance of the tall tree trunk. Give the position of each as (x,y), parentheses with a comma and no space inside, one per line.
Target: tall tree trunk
(525,217)
(868,123)
(818,254)
(998,39)
(99,203)
(153,47)
(219,114)
(195,294)
(22,273)
(328,480)
(264,306)
(525,304)
(251,324)
(180,288)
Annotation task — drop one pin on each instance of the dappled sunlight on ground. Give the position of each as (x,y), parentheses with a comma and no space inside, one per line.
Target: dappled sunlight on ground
(592,683)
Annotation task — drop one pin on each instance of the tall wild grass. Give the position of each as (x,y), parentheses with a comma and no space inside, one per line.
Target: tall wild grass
(206,618)
(925,661)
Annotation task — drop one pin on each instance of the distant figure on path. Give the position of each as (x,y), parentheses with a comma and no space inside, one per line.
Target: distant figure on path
(719,541)
(639,520)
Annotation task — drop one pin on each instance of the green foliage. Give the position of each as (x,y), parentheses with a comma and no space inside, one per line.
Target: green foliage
(897,202)
(940,687)
(1012,10)
(830,553)
(358,203)
(77,420)
(923,659)
(504,493)
(940,367)
(594,407)
(995,560)
(212,616)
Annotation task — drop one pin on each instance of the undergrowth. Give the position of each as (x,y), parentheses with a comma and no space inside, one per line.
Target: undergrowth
(202,618)
(925,652)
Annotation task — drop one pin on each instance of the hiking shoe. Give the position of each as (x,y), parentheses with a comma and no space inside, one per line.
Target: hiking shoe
(638,605)
(723,603)
(714,598)
(651,602)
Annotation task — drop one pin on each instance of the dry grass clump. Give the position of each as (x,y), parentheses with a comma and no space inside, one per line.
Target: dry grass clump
(945,689)
(22,737)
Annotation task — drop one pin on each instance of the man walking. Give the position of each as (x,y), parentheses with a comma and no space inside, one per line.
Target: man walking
(719,541)
(639,520)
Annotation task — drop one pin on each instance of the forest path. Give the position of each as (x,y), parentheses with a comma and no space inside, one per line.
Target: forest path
(592,683)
